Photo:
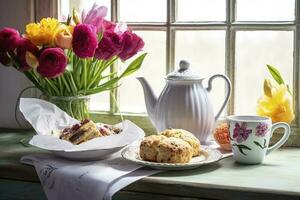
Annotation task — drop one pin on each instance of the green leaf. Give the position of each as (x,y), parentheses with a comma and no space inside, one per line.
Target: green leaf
(103,86)
(241,148)
(100,35)
(134,65)
(275,74)
(258,144)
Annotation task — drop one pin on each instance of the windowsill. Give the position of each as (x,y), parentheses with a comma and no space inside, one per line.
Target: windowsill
(278,177)
(143,121)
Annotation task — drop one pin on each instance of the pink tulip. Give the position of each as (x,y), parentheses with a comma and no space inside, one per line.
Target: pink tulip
(132,43)
(52,62)
(24,45)
(9,38)
(119,28)
(109,46)
(95,16)
(84,40)
(108,26)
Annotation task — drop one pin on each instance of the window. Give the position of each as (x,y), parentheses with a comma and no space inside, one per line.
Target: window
(214,36)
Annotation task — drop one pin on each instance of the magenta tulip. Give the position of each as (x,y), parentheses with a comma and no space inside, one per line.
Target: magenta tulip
(95,16)
(9,38)
(132,43)
(109,46)
(52,62)
(24,45)
(84,40)
(108,26)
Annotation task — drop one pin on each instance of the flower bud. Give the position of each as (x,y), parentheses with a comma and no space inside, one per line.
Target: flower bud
(31,59)
(268,87)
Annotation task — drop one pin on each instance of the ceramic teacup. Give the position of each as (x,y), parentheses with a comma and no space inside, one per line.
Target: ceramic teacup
(250,137)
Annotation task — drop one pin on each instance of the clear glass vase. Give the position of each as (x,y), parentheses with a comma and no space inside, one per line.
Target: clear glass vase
(76,106)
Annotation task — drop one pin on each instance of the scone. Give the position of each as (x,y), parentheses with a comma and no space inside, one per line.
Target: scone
(186,136)
(174,150)
(158,148)
(149,147)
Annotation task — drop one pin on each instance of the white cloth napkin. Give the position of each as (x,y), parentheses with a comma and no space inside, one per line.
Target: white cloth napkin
(97,180)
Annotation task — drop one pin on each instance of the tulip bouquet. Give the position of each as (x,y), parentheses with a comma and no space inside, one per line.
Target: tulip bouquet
(68,60)
(277,100)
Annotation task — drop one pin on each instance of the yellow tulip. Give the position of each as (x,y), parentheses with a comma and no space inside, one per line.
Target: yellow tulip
(276,103)
(63,37)
(42,33)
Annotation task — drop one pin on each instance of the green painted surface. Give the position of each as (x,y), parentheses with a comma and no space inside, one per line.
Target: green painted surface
(20,190)
(278,176)
(280,173)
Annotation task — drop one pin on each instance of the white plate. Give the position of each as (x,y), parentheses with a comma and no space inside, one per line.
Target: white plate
(207,156)
(87,155)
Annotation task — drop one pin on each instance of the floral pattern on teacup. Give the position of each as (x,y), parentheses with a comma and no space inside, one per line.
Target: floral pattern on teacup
(240,132)
(261,129)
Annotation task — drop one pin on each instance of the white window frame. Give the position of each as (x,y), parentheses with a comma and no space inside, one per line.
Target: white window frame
(230,26)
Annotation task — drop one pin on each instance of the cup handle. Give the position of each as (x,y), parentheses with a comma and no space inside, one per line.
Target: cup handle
(287,131)
(228,91)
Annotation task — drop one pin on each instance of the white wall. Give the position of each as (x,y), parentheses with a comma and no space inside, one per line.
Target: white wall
(15,14)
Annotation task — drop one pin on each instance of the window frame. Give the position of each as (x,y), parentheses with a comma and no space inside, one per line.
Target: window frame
(230,26)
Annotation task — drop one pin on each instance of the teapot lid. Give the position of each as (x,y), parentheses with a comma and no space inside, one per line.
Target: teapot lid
(183,73)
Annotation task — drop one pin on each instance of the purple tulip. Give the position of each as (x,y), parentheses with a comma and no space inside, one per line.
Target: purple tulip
(52,62)
(95,16)
(109,46)
(132,43)
(9,38)
(84,40)
(25,45)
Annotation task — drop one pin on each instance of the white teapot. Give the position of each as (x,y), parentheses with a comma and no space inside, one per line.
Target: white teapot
(184,103)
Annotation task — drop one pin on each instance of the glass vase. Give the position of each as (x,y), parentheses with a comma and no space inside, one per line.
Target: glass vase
(75,106)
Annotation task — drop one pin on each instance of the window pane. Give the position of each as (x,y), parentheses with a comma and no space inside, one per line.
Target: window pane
(153,68)
(100,101)
(266,47)
(201,10)
(66,6)
(143,10)
(265,10)
(205,50)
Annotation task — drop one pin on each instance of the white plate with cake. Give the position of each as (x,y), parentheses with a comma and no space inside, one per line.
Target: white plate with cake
(65,136)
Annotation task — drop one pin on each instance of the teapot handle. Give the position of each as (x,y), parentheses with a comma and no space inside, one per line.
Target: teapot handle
(228,91)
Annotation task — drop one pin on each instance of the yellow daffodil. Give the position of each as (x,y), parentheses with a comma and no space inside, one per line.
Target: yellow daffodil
(276,103)
(42,33)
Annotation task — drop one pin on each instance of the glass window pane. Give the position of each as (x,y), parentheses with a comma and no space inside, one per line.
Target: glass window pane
(265,10)
(100,101)
(143,10)
(66,6)
(153,68)
(266,47)
(201,10)
(205,50)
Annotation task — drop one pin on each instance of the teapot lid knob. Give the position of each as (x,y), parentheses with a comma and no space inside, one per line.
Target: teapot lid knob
(183,73)
(184,65)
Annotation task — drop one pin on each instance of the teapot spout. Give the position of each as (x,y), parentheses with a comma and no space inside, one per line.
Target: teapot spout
(150,98)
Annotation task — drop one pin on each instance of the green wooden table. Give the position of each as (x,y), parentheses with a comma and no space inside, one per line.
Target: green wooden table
(278,177)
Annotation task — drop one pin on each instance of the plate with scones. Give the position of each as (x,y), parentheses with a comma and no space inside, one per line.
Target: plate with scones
(171,149)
